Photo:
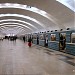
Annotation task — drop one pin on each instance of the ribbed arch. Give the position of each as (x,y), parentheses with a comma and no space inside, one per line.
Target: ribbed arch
(43,15)
(15,20)
(23,16)
(26,7)
(11,23)
(14,27)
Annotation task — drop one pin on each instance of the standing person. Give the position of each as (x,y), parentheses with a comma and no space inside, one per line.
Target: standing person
(61,40)
(46,41)
(24,39)
(64,42)
(29,42)
(37,40)
(15,37)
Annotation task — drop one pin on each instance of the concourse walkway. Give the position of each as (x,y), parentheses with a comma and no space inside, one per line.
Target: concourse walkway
(16,58)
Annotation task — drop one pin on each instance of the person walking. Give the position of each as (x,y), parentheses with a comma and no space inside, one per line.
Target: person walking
(24,39)
(29,42)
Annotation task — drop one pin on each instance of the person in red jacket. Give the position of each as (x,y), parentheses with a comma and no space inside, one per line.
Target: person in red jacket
(29,42)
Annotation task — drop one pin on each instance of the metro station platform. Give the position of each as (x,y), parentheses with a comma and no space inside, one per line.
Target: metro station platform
(16,58)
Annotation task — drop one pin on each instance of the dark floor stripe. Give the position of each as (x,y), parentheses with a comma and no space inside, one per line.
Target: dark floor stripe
(38,48)
(67,57)
(48,50)
(69,62)
(48,53)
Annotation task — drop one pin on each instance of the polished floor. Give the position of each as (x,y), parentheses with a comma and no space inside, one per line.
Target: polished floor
(16,58)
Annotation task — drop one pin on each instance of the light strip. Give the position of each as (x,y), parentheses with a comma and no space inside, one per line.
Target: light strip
(15,32)
(19,28)
(16,24)
(29,8)
(18,21)
(22,16)
(12,26)
(6,27)
(16,29)
(24,7)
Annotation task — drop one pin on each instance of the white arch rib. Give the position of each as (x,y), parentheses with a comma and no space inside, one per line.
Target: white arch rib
(16,24)
(22,16)
(17,30)
(5,20)
(25,7)
(30,8)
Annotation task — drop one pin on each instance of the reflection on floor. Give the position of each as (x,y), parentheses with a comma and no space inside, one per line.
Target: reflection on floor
(17,58)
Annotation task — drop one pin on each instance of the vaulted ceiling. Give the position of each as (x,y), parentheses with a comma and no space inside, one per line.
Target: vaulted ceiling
(28,16)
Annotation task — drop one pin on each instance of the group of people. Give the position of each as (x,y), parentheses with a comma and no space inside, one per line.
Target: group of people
(11,38)
(29,41)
